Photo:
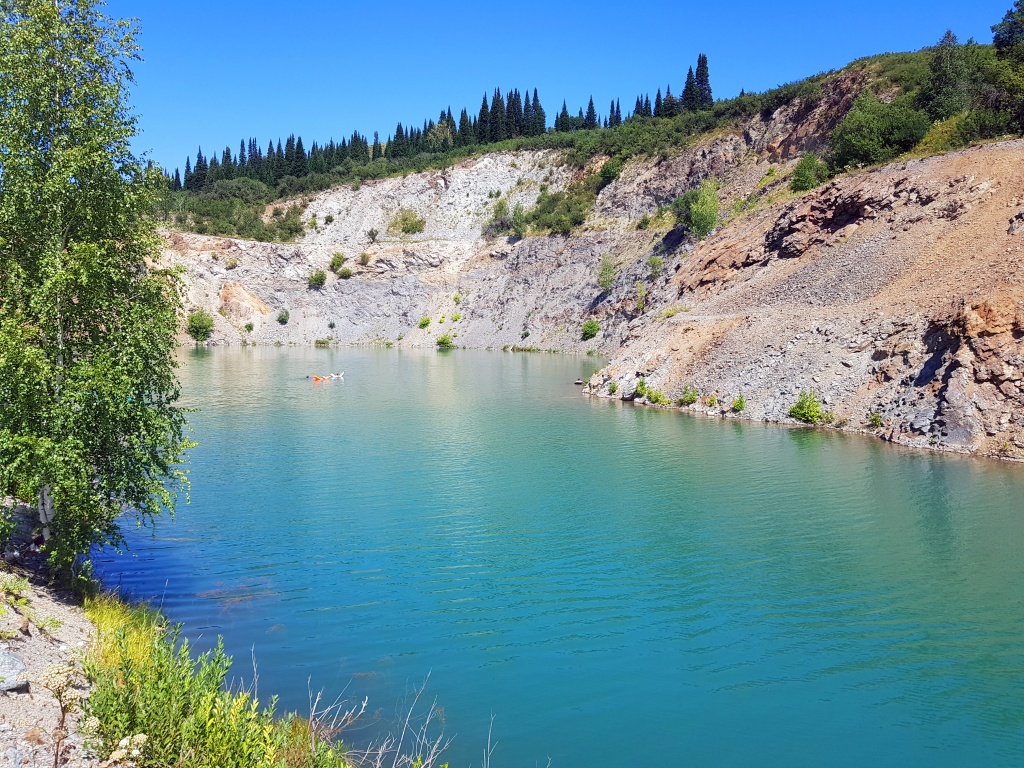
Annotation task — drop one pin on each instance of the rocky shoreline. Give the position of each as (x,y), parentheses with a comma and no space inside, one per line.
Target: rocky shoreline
(45,634)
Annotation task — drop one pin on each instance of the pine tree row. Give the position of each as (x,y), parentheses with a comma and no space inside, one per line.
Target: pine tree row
(508,116)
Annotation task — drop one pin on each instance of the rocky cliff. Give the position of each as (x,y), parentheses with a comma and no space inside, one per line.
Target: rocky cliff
(897,292)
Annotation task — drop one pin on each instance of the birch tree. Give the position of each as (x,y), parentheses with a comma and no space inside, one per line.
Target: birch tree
(89,426)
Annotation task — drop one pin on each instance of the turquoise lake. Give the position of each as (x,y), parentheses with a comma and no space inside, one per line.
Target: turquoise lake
(616,585)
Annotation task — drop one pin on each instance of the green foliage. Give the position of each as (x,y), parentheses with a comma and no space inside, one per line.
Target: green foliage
(344,273)
(7,525)
(457,298)
(456,317)
(947,91)
(610,171)
(283,316)
(809,173)
(688,396)
(807,408)
(1008,35)
(337,262)
(590,329)
(249,327)
(231,264)
(654,266)
(317,279)
(364,258)
(739,404)
(641,389)
(424,322)
(561,212)
(875,420)
(445,342)
(657,397)
(613,388)
(641,297)
(643,222)
(606,273)
(874,132)
(89,424)
(151,696)
(372,235)
(322,343)
(406,222)
(711,400)
(697,209)
(200,325)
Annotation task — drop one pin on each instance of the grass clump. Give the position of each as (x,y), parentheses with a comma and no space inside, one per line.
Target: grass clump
(688,396)
(424,322)
(249,327)
(317,279)
(283,316)
(590,329)
(337,262)
(875,420)
(445,342)
(200,325)
(344,273)
(613,388)
(155,704)
(807,408)
(739,404)
(606,273)
(406,222)
(654,266)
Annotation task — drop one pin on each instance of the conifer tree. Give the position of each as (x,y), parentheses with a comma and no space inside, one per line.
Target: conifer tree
(657,105)
(483,123)
(499,127)
(200,171)
(703,84)
(562,121)
(691,98)
(376,151)
(670,105)
(590,121)
(540,120)
(466,135)
(647,112)
(638,108)
(189,183)
(177,181)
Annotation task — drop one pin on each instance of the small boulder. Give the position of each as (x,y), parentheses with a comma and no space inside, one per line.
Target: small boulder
(11,669)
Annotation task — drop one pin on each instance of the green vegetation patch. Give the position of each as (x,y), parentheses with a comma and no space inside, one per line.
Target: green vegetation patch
(200,325)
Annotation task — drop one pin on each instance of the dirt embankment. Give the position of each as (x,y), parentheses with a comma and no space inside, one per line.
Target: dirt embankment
(895,292)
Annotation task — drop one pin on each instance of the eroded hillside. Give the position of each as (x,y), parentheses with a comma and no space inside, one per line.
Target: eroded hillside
(896,292)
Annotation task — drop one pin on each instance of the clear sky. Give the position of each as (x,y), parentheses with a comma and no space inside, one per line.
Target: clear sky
(217,72)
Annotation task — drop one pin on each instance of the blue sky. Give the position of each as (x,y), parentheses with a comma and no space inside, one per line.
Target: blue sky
(217,72)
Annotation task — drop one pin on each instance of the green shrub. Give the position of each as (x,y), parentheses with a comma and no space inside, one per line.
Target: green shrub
(445,342)
(151,696)
(610,171)
(372,234)
(613,388)
(283,316)
(231,264)
(656,397)
(711,400)
(606,273)
(809,173)
(807,408)
(364,258)
(344,273)
(688,396)
(524,334)
(317,279)
(406,222)
(330,324)
(7,525)
(697,209)
(590,329)
(457,298)
(874,132)
(337,262)
(322,343)
(641,389)
(200,325)
(424,322)
(739,404)
(654,266)
(456,317)
(875,420)
(644,222)
(641,297)
(249,327)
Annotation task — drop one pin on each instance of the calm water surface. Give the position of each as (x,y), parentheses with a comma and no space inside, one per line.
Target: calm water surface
(617,585)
